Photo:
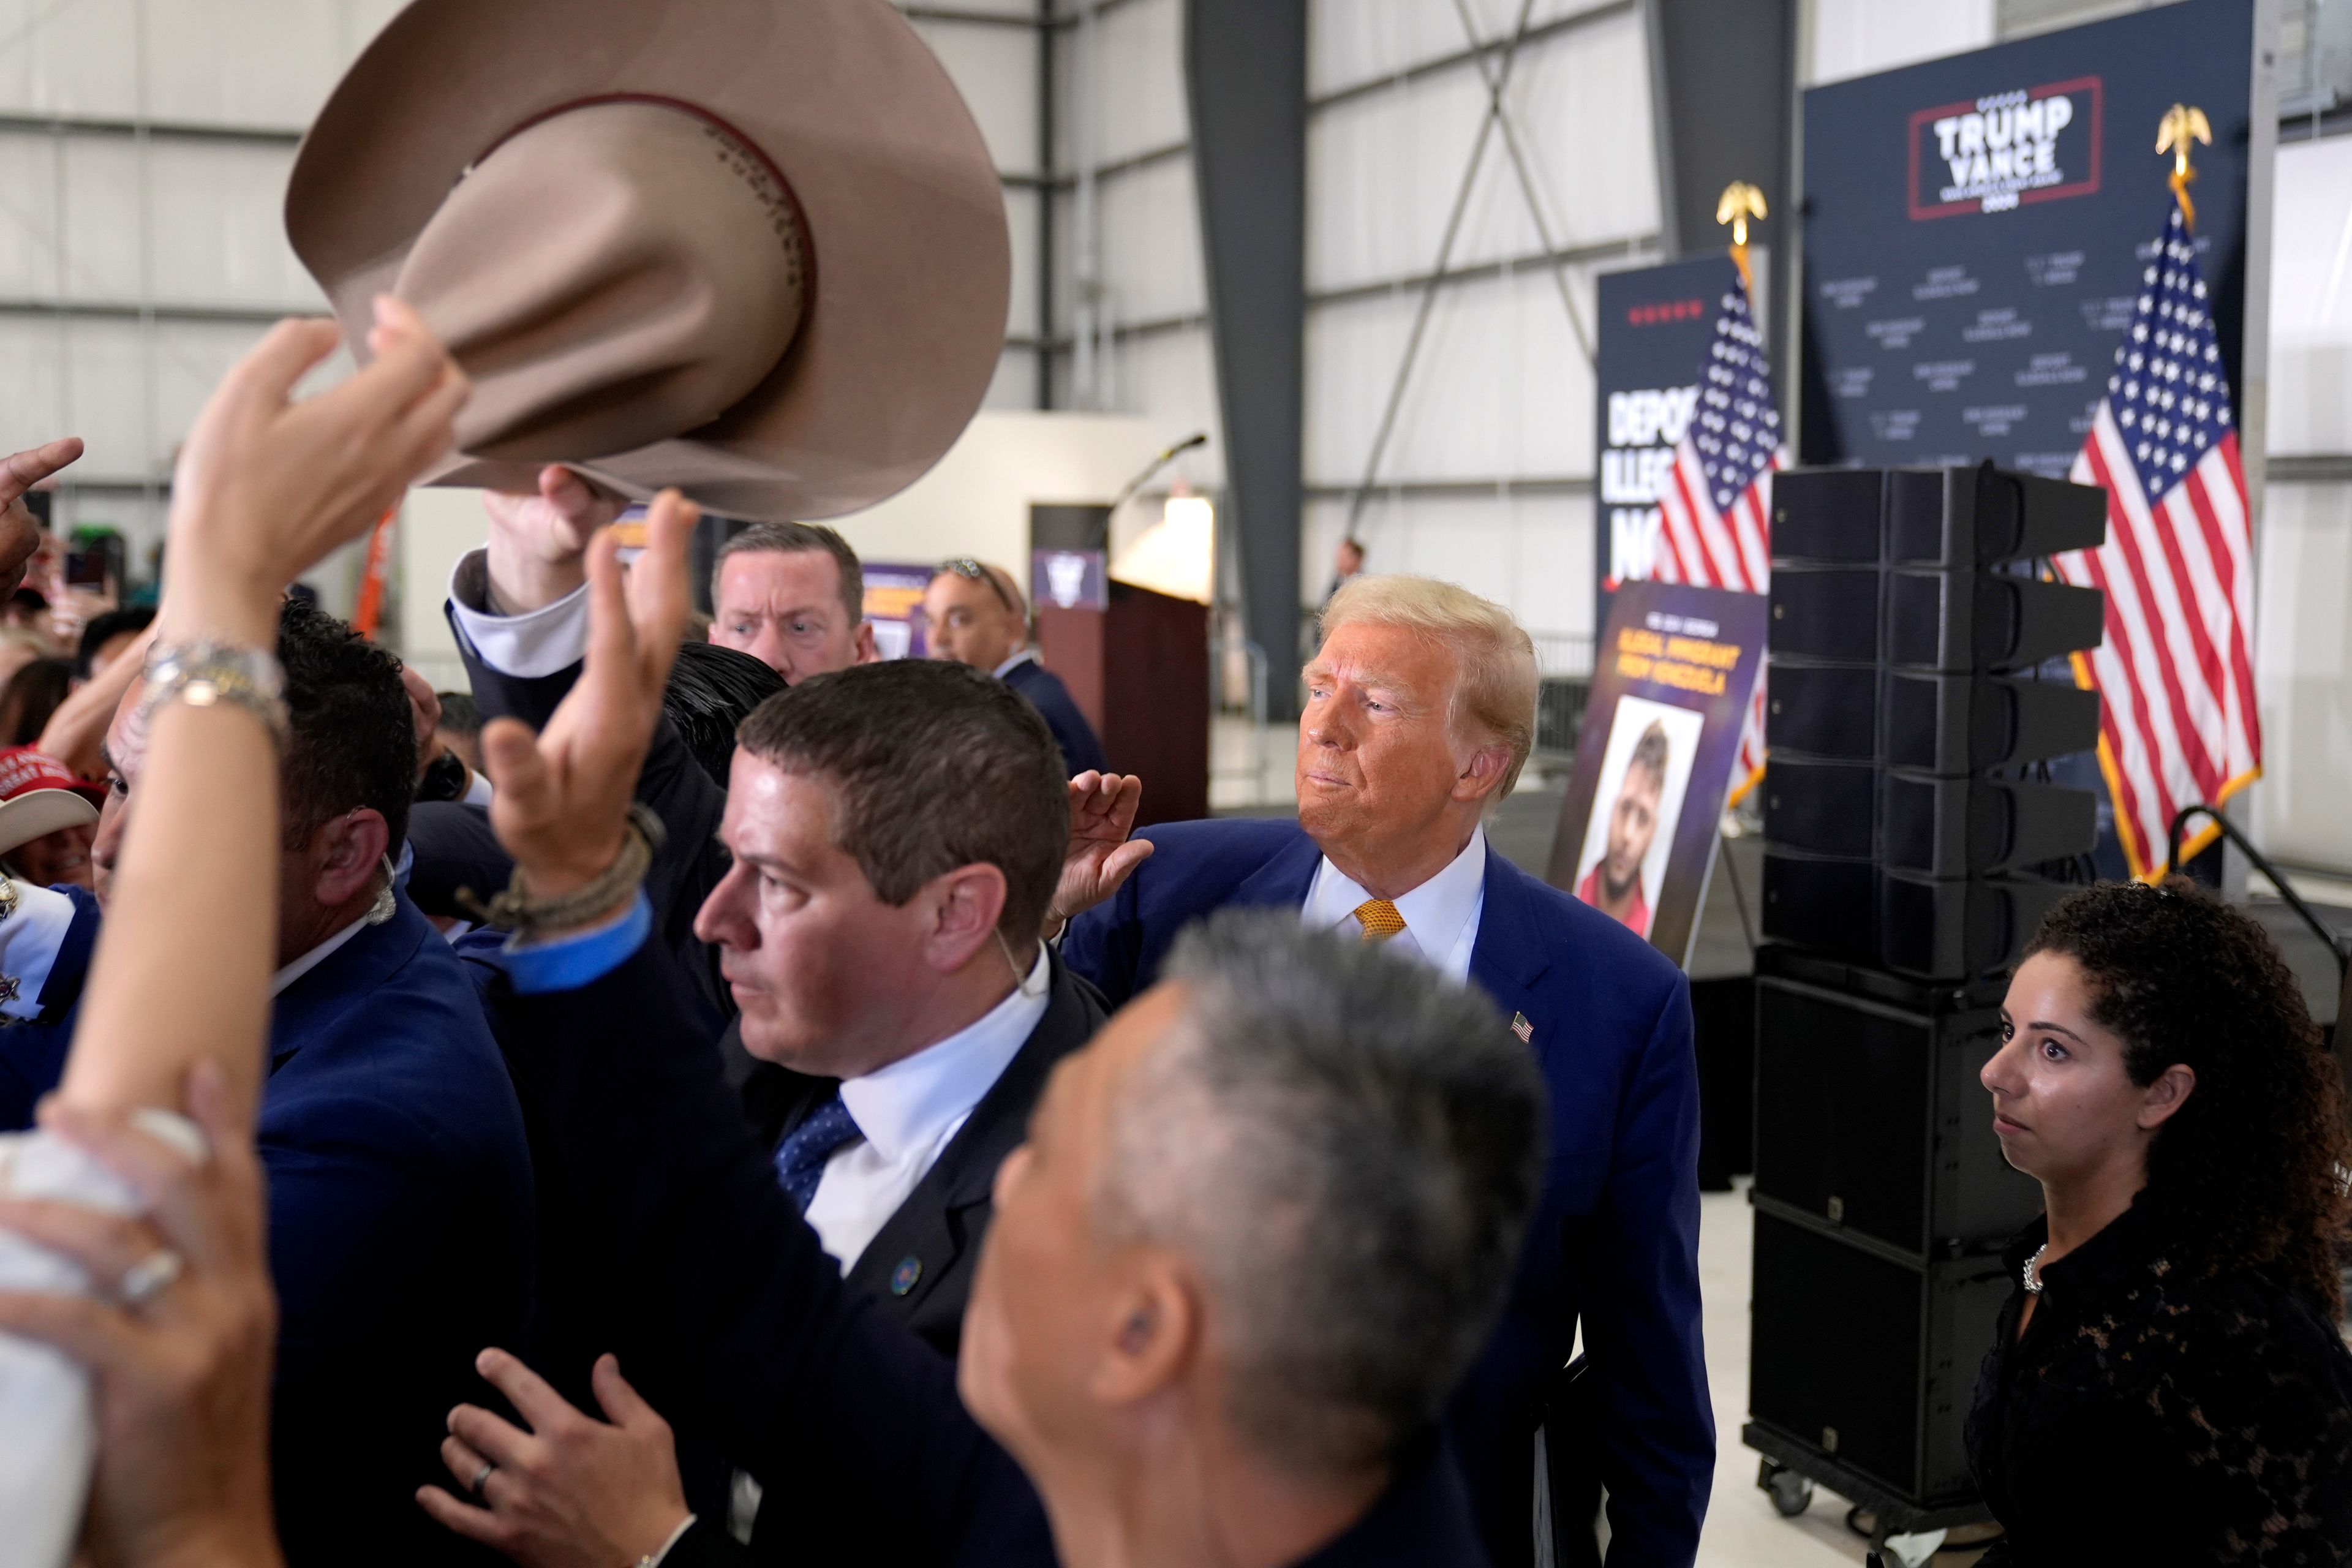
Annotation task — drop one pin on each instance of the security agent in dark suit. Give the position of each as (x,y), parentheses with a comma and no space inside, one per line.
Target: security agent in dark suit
(974,614)
(1258,1228)
(896,830)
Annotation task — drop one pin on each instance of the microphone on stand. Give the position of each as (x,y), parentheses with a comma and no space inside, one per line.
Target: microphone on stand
(1198,439)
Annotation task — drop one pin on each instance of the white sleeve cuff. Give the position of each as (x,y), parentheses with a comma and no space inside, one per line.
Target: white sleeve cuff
(545,641)
(654,1559)
(30,941)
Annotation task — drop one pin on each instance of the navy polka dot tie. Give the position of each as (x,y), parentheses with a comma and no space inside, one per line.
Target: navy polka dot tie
(801,1157)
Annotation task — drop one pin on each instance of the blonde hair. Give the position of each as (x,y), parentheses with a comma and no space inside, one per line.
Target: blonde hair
(1497,690)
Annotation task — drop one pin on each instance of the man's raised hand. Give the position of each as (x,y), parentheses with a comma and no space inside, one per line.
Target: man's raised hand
(20,532)
(1102,852)
(266,486)
(561,800)
(538,541)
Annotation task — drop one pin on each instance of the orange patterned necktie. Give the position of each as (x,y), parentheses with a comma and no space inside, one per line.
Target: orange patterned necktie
(1380,920)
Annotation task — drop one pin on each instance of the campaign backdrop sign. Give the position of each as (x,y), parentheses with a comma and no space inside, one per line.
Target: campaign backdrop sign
(1671,679)
(1656,325)
(894,607)
(1976,231)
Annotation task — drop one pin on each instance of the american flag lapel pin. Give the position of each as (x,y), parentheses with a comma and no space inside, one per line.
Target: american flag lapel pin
(1521,1027)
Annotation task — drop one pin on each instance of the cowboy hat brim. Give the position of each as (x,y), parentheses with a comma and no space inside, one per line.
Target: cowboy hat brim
(904,209)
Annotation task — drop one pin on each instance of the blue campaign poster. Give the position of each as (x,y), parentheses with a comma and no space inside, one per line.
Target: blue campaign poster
(1976,230)
(1977,234)
(1655,326)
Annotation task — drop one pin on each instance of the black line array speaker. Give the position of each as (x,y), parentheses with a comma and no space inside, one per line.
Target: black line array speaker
(1882,1199)
(1869,1116)
(1870,1358)
(1896,832)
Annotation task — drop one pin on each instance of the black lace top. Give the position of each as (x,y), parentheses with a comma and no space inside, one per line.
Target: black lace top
(2149,1417)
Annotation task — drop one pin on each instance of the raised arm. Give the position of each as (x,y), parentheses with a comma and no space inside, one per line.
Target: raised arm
(75,733)
(265,488)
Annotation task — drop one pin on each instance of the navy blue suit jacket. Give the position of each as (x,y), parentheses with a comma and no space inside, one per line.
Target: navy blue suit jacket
(400,1223)
(1081,750)
(1615,1236)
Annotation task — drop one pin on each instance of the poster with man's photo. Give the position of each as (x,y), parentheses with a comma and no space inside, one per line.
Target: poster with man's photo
(1671,677)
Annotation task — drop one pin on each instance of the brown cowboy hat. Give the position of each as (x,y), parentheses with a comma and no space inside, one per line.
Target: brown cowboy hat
(752,249)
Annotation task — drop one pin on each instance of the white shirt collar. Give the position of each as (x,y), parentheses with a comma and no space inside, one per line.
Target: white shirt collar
(914,1102)
(1440,916)
(1015,662)
(315,957)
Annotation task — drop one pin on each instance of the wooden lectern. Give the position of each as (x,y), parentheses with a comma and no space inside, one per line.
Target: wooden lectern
(1136,662)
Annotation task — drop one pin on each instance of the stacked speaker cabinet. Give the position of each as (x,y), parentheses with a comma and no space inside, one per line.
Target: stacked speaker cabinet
(1909,851)
(1882,1201)
(1906,629)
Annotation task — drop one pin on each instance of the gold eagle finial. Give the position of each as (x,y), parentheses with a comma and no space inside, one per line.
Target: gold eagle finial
(2183,123)
(1741,201)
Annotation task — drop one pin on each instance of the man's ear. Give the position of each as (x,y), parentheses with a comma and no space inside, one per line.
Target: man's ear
(1152,1340)
(352,846)
(867,652)
(965,903)
(1483,774)
(2166,1096)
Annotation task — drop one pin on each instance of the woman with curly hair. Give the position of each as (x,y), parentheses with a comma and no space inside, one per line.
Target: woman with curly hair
(2169,1383)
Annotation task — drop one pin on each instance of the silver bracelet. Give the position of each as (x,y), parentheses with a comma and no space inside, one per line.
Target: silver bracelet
(206,674)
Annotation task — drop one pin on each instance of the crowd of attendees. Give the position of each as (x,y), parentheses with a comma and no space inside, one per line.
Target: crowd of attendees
(694,1102)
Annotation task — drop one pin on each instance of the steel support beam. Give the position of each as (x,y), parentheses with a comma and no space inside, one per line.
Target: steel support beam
(127,310)
(2311,469)
(1723,79)
(152,129)
(1476,53)
(1463,490)
(1046,187)
(1245,80)
(970,18)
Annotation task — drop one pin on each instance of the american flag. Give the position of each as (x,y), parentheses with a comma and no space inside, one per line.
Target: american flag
(1716,505)
(2176,720)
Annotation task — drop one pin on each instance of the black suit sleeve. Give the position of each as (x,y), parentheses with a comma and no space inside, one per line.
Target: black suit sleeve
(724,1310)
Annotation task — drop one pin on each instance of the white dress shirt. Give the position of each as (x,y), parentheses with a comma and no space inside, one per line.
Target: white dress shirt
(910,1111)
(1441,916)
(544,641)
(1025,656)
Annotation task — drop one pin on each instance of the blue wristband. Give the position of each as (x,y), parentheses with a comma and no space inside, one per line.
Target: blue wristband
(569,962)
